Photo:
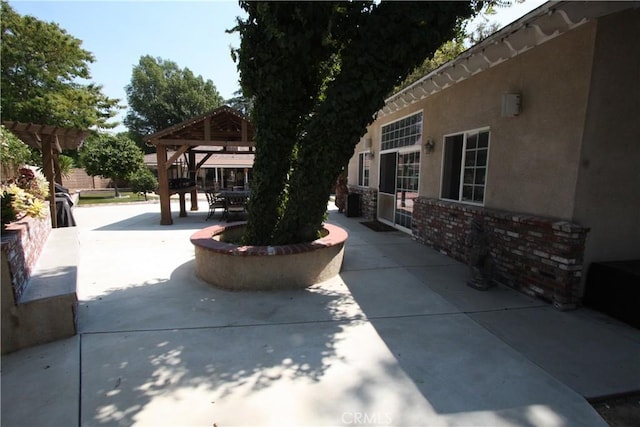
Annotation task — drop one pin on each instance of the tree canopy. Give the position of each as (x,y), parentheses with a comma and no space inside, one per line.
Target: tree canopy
(111,156)
(41,70)
(317,73)
(161,94)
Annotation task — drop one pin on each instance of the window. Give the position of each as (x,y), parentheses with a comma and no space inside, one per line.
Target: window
(402,133)
(364,164)
(464,168)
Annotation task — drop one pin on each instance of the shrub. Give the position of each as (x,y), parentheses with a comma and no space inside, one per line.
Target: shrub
(23,196)
(13,152)
(143,181)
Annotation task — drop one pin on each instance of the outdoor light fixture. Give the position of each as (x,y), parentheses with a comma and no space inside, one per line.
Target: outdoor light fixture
(369,155)
(511,104)
(429,145)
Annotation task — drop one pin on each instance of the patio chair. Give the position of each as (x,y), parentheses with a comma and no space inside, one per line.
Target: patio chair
(235,204)
(215,202)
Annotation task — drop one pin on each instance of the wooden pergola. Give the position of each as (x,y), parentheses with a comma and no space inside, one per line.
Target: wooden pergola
(50,140)
(222,131)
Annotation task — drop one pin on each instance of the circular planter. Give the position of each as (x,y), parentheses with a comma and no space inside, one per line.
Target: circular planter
(235,267)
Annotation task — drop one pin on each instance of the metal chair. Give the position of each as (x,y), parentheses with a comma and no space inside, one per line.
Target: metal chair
(215,202)
(235,204)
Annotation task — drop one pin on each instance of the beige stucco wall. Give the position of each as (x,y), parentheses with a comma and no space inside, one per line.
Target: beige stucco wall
(608,186)
(546,137)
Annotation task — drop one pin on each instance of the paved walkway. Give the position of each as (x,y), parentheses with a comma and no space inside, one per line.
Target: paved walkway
(396,339)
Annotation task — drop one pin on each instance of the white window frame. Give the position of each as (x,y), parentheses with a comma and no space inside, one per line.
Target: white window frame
(465,134)
(418,140)
(362,157)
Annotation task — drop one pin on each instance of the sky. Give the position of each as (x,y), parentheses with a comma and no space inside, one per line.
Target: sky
(190,33)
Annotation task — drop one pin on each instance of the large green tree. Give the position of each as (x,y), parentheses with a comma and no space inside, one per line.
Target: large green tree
(317,73)
(42,68)
(161,94)
(111,156)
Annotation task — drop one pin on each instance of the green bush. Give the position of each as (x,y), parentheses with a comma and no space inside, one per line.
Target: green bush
(8,212)
(143,181)
(24,195)
(13,152)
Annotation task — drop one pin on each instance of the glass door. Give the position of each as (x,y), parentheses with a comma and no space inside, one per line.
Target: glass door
(407,178)
(399,177)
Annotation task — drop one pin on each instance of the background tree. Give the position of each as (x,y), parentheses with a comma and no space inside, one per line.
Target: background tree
(240,103)
(42,68)
(449,50)
(161,94)
(111,156)
(143,181)
(318,72)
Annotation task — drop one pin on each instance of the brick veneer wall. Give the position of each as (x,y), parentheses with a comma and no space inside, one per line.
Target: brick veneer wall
(368,201)
(22,243)
(542,257)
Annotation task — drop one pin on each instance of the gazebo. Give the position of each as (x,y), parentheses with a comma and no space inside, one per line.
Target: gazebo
(50,140)
(224,130)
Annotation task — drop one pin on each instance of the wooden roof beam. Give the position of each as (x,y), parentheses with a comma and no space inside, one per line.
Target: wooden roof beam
(196,142)
(244,131)
(183,149)
(204,160)
(207,129)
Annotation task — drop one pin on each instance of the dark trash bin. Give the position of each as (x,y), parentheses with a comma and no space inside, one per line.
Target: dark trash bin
(353,205)
(613,288)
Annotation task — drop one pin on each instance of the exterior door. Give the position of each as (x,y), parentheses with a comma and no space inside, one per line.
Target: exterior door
(407,178)
(387,188)
(399,177)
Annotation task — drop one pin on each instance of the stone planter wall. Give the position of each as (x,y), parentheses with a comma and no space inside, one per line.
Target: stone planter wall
(542,257)
(22,244)
(368,201)
(235,267)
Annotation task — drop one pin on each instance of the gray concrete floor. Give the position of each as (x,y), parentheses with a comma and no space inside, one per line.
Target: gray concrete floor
(396,339)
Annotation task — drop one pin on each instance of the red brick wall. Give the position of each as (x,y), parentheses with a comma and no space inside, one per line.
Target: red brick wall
(542,257)
(22,243)
(368,201)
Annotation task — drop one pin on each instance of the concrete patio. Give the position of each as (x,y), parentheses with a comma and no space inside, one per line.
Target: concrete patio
(396,339)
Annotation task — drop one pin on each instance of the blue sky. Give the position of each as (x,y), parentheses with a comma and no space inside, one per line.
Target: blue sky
(190,33)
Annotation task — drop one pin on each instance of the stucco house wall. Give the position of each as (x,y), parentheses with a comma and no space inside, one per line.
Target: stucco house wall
(562,179)
(546,136)
(608,186)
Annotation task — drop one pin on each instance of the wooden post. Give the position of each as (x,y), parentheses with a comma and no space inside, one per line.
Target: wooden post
(57,172)
(193,176)
(163,186)
(56,152)
(47,169)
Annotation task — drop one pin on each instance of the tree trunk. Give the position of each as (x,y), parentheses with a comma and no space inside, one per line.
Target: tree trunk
(366,77)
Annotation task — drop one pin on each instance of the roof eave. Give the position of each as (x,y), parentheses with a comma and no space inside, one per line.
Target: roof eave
(533,29)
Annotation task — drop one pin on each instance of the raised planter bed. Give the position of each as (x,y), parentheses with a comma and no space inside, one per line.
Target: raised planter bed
(39,278)
(235,267)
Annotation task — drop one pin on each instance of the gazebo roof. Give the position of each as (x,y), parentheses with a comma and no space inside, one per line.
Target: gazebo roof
(239,159)
(31,134)
(222,127)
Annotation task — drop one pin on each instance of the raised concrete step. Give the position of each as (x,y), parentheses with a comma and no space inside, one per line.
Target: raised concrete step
(47,310)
